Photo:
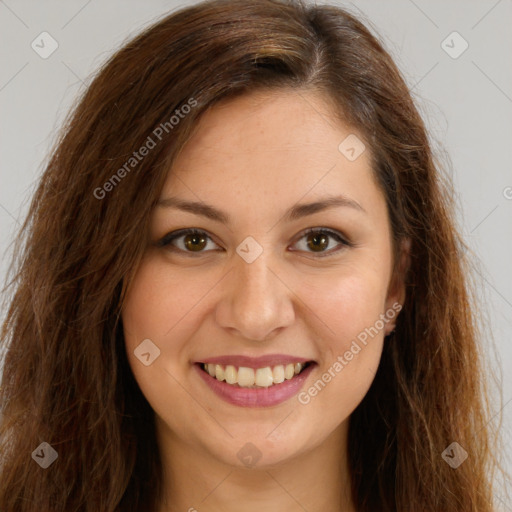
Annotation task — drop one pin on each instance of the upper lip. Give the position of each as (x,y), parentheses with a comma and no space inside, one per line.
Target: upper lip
(255,362)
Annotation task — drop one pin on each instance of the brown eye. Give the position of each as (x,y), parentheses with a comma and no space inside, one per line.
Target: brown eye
(320,242)
(188,241)
(194,242)
(317,242)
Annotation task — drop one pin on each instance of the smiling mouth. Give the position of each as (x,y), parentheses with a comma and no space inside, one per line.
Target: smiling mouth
(245,377)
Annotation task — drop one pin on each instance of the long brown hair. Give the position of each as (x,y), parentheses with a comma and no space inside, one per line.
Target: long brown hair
(66,380)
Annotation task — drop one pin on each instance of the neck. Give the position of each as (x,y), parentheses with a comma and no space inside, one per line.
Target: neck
(314,480)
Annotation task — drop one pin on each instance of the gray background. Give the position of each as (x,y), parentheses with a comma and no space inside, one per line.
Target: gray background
(466,103)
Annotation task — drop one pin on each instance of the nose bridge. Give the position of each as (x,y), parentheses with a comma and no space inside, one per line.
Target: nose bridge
(256,281)
(256,303)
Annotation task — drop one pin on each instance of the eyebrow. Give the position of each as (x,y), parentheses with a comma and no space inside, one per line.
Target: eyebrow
(294,213)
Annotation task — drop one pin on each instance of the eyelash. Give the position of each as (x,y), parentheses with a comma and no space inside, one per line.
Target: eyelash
(170,237)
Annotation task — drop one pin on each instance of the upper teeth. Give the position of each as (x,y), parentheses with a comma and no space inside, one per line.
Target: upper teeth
(250,378)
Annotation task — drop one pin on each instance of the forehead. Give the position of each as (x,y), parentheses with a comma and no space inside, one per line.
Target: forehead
(280,145)
(268,121)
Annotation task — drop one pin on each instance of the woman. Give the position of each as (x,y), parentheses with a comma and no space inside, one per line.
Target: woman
(241,285)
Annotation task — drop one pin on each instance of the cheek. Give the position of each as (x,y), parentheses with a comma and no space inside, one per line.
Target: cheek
(161,302)
(348,302)
(351,305)
(160,306)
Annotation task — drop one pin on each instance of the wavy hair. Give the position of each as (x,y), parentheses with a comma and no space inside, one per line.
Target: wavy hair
(66,379)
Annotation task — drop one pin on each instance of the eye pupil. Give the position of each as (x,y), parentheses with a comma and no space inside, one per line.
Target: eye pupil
(318,241)
(195,242)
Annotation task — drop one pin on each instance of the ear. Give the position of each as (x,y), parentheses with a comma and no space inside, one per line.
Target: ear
(396,289)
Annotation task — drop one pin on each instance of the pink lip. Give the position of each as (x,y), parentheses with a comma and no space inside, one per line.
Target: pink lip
(255,362)
(254,397)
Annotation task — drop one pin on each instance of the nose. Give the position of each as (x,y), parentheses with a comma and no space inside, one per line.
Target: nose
(255,304)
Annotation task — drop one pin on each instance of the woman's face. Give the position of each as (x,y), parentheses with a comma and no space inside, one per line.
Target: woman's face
(253,292)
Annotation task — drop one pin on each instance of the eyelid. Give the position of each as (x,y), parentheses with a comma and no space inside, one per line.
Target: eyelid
(169,237)
(166,240)
(333,233)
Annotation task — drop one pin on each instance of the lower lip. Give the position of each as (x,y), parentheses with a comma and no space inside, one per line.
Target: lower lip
(254,397)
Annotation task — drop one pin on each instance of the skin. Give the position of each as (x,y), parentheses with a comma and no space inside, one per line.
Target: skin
(254,157)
